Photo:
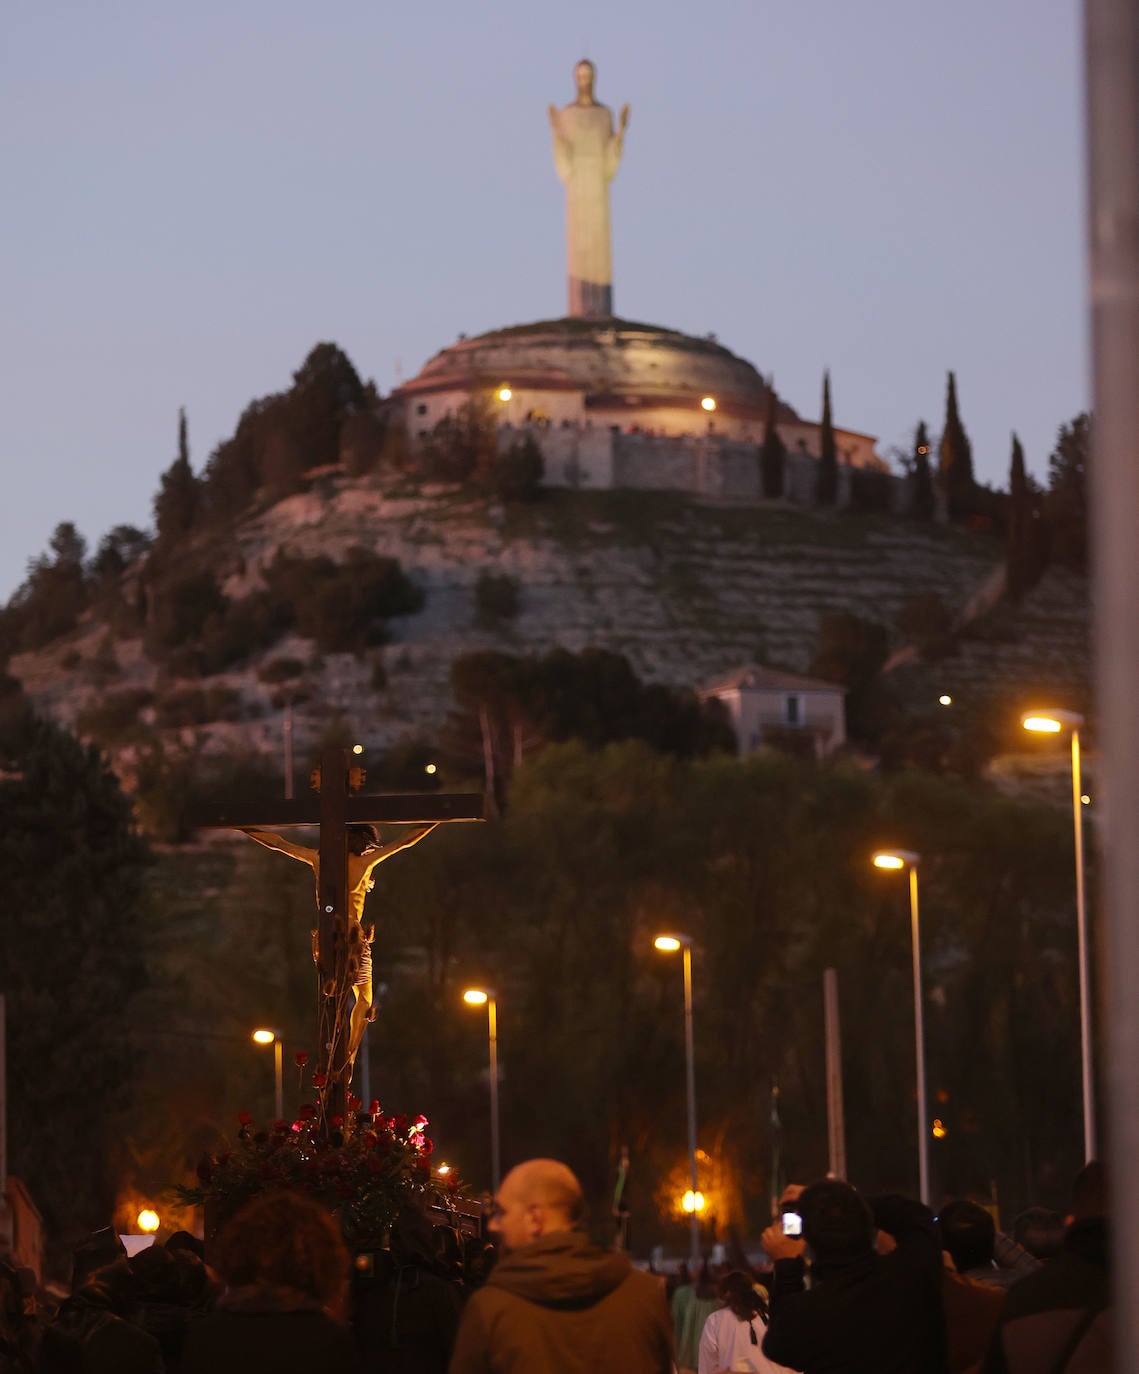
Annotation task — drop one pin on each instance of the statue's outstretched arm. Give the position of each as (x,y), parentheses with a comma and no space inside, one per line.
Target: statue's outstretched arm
(405,841)
(616,144)
(271,840)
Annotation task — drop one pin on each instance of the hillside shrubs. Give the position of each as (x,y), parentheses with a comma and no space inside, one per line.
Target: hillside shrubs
(115,718)
(343,607)
(188,706)
(497,599)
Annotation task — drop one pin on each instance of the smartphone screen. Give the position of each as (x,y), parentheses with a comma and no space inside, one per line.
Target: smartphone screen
(792,1224)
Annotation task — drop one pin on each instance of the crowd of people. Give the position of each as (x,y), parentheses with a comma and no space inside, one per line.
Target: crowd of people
(845,1285)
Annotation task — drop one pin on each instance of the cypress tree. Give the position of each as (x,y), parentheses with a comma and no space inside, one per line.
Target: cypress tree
(955,467)
(923,498)
(826,491)
(772,453)
(1020,559)
(177,505)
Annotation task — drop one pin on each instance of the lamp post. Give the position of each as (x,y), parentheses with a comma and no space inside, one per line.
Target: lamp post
(893,860)
(477,997)
(272,1037)
(669,944)
(1053,723)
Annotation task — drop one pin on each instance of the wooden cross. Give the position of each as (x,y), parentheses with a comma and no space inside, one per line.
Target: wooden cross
(339,805)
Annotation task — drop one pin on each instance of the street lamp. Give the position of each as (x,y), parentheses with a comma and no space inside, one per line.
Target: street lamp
(272,1037)
(669,944)
(477,997)
(1053,723)
(894,860)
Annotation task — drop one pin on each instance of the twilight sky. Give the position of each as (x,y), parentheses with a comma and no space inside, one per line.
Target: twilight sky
(196,195)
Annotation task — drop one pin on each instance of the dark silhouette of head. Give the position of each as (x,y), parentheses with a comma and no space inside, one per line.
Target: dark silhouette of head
(967,1231)
(1040,1231)
(837,1223)
(285,1241)
(736,1291)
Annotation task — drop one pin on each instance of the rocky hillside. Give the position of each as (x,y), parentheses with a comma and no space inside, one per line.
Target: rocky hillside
(687,591)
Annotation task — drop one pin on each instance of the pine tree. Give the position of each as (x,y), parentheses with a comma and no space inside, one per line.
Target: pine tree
(772,453)
(1021,565)
(923,498)
(178,503)
(826,492)
(955,467)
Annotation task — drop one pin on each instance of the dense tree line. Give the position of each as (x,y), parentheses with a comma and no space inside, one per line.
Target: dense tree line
(73,950)
(766,864)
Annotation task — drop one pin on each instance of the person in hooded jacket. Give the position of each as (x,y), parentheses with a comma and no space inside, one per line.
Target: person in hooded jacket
(555,1302)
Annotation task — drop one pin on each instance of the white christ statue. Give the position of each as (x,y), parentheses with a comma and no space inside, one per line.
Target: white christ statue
(586,153)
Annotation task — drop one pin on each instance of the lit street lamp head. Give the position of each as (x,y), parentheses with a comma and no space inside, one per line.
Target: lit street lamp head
(265,1037)
(1051,722)
(476,997)
(708,403)
(895,859)
(669,944)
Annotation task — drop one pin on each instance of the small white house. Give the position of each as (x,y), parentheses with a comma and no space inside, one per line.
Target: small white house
(768,707)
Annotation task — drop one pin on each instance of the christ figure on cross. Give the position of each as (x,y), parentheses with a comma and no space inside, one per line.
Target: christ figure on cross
(364,852)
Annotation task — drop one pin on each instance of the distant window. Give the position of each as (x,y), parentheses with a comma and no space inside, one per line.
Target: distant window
(792,711)
(421,409)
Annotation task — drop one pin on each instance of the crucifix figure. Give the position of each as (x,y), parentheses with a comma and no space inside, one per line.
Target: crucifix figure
(349,851)
(364,852)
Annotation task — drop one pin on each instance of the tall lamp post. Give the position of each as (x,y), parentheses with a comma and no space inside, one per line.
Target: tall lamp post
(893,860)
(272,1037)
(669,944)
(477,997)
(1053,723)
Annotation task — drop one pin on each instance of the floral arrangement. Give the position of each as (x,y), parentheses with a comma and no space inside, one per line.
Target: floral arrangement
(364,1168)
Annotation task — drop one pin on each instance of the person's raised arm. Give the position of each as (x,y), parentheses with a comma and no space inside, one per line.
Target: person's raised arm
(271,840)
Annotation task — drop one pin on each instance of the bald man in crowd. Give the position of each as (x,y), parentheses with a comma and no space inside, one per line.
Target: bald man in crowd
(554,1303)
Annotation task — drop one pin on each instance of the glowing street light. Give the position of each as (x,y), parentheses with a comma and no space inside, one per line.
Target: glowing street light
(669,944)
(272,1037)
(894,860)
(479,997)
(147,1221)
(708,403)
(945,699)
(504,393)
(692,1202)
(1052,722)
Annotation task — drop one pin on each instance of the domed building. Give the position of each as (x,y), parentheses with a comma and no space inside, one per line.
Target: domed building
(613,403)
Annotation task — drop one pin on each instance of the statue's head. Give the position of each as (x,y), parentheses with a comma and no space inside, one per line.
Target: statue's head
(362,837)
(584,74)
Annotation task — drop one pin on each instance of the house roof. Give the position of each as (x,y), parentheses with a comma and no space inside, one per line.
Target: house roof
(756,679)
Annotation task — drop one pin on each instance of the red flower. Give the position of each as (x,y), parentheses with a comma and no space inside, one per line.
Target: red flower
(244,1118)
(420,1122)
(319,1080)
(371,1138)
(426,1146)
(306,1111)
(336,1122)
(300,1059)
(374,1107)
(399,1123)
(452,1185)
(354,1103)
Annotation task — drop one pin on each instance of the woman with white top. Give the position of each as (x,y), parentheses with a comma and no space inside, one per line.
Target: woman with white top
(732,1339)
